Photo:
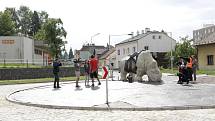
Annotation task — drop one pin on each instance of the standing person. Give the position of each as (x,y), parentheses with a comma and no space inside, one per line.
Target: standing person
(94,69)
(189,68)
(182,72)
(56,70)
(195,65)
(77,71)
(87,71)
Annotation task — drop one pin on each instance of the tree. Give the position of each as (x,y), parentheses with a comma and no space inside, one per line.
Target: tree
(7,26)
(71,54)
(25,15)
(43,16)
(15,18)
(184,48)
(35,25)
(65,55)
(52,32)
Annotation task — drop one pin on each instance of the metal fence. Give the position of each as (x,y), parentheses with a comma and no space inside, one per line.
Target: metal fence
(25,63)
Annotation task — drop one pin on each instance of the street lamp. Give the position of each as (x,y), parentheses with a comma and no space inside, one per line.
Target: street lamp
(110,65)
(92,43)
(171,57)
(93,36)
(109,49)
(117,35)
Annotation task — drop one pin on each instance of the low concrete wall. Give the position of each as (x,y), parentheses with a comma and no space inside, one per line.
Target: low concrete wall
(32,73)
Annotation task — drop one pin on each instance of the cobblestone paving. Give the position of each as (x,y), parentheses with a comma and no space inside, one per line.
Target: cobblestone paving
(14,112)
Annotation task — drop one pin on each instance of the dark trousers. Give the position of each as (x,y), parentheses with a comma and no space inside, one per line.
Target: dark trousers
(189,73)
(56,80)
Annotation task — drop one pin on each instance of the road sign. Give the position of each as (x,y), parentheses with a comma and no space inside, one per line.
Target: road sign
(105,72)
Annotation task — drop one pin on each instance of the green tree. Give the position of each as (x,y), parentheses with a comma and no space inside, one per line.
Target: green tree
(43,16)
(35,25)
(71,54)
(53,32)
(25,15)
(15,18)
(184,48)
(65,55)
(7,26)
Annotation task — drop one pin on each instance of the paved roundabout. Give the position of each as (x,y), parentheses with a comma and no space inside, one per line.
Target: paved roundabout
(122,96)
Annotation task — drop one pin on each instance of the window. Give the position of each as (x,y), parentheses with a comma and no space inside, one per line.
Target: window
(128,50)
(153,37)
(159,36)
(118,52)
(38,52)
(123,51)
(134,49)
(146,47)
(210,59)
(8,42)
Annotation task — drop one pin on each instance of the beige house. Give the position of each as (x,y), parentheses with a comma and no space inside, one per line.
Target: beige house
(205,48)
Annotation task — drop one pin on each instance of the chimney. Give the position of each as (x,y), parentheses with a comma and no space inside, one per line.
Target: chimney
(138,32)
(142,31)
(132,34)
(147,30)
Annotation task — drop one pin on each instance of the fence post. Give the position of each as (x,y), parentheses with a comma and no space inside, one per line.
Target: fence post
(46,62)
(4,63)
(27,63)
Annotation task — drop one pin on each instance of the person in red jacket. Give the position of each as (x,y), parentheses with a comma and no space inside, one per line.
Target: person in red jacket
(94,69)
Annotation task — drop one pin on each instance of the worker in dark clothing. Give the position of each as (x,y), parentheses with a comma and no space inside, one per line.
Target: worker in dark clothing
(56,70)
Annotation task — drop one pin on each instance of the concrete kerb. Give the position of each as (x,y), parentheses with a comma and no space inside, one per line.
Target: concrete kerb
(106,108)
(109,108)
(112,108)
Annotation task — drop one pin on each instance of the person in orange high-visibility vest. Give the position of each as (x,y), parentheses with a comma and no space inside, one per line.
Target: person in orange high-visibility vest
(189,69)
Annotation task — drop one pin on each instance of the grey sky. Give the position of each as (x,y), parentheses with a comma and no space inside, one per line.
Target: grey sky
(84,18)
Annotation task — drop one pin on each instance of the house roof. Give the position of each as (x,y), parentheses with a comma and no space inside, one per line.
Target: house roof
(89,47)
(137,37)
(208,40)
(107,53)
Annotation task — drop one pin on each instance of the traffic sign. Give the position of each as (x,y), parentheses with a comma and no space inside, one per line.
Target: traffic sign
(105,72)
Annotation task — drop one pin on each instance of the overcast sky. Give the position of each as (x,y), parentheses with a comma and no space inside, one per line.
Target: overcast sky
(84,18)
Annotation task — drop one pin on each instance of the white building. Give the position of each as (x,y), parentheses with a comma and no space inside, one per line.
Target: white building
(18,49)
(159,43)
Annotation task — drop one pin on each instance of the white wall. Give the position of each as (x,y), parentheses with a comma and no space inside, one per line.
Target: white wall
(157,45)
(13,50)
(113,59)
(28,49)
(125,47)
(164,44)
(22,48)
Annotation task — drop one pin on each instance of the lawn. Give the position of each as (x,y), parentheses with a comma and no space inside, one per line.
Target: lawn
(14,65)
(175,71)
(40,80)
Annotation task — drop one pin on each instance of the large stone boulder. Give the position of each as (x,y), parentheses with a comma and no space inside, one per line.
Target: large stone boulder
(145,65)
